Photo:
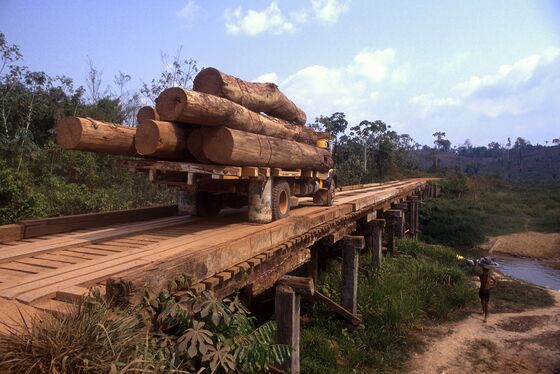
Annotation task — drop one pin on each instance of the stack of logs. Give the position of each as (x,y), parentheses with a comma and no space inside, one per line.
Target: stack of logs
(223,120)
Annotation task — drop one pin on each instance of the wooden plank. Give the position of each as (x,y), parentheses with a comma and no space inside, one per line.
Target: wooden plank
(10,233)
(278,172)
(57,257)
(182,167)
(47,264)
(71,294)
(91,274)
(37,227)
(250,171)
(30,269)
(74,240)
(337,308)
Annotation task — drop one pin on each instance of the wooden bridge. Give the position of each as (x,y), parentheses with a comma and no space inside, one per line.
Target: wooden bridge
(49,263)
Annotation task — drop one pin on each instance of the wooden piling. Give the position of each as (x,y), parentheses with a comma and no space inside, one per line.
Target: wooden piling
(377,226)
(287,306)
(351,246)
(286,312)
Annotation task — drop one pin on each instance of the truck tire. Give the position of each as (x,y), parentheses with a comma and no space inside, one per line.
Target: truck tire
(280,201)
(208,205)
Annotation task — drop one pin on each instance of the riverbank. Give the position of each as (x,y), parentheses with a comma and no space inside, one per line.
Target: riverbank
(527,244)
(521,336)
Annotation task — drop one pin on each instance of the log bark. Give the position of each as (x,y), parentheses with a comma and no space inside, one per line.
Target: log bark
(161,139)
(226,146)
(180,105)
(258,97)
(147,113)
(87,134)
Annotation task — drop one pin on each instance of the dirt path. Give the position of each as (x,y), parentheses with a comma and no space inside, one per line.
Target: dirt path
(522,342)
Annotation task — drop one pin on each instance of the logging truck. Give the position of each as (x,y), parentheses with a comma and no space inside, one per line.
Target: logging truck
(269,193)
(191,136)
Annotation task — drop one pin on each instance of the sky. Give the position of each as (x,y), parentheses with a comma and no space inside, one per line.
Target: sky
(477,70)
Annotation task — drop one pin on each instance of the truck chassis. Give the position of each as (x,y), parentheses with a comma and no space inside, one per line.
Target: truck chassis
(204,190)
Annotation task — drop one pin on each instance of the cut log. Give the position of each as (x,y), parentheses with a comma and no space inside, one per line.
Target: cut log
(87,134)
(194,145)
(147,113)
(177,104)
(226,146)
(259,97)
(161,139)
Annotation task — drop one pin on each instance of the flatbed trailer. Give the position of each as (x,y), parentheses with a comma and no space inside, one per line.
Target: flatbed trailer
(269,193)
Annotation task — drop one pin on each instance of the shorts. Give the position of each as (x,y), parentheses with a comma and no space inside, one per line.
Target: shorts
(484,294)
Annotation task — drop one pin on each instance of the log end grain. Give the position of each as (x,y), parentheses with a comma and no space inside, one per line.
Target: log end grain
(147,138)
(209,80)
(195,144)
(147,113)
(69,132)
(171,103)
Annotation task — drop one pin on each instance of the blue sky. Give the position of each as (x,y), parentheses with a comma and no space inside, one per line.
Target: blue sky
(482,70)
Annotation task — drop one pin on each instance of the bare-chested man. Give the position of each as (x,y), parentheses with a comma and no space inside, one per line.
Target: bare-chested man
(487,282)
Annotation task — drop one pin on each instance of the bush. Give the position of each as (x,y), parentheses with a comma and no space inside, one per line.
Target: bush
(17,199)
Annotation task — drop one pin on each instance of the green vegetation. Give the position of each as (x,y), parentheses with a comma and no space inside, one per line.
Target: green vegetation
(471,208)
(423,284)
(38,178)
(165,336)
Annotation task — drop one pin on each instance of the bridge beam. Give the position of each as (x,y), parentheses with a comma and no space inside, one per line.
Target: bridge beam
(351,246)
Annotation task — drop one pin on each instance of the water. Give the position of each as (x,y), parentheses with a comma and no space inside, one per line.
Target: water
(528,269)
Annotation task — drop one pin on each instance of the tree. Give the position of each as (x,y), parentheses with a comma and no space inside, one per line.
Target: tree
(336,124)
(177,73)
(556,141)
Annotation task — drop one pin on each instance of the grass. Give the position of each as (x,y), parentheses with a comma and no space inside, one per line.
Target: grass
(465,215)
(87,338)
(511,295)
(423,284)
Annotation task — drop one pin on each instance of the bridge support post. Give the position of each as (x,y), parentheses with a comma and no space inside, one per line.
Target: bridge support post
(313,264)
(377,227)
(286,310)
(351,246)
(392,218)
(260,200)
(413,215)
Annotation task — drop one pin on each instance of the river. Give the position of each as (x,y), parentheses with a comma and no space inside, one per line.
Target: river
(528,269)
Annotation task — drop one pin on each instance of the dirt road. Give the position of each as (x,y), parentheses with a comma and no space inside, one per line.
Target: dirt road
(519,342)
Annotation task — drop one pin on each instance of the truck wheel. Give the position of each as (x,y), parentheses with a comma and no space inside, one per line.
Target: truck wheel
(208,205)
(280,201)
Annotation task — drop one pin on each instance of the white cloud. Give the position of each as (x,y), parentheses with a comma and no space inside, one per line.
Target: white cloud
(267,77)
(190,12)
(272,19)
(329,11)
(430,104)
(352,88)
(523,87)
(252,22)
(373,65)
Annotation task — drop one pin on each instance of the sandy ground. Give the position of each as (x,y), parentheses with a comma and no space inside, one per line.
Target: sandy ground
(521,342)
(528,244)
